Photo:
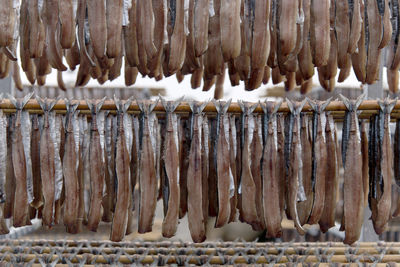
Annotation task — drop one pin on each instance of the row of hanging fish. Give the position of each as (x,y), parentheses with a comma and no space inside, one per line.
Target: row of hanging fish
(255,168)
(255,40)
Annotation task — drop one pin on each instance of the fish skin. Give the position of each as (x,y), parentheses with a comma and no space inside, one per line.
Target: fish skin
(142,66)
(71,183)
(304,208)
(356,26)
(272,214)
(47,170)
(131,38)
(205,156)
(170,222)
(387,26)
(177,50)
(120,219)
(281,163)
(359,57)
(223,166)
(230,28)
(147,177)
(353,180)
(232,156)
(327,219)
(114,27)
(287,31)
(393,80)
(342,29)
(7,22)
(320,32)
(97,173)
(81,15)
(96,14)
(67,22)
(35,158)
(374,53)
(184,148)
(194,179)
(201,20)
(52,42)
(37,34)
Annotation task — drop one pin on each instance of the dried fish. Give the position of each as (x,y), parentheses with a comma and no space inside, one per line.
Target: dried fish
(353,180)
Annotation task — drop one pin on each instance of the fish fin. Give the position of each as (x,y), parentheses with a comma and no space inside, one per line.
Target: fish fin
(359,100)
(264,106)
(192,106)
(202,106)
(226,106)
(13,100)
(290,105)
(325,104)
(312,103)
(242,105)
(346,102)
(277,105)
(26,99)
(52,103)
(100,104)
(127,104)
(391,105)
(153,105)
(217,105)
(42,103)
(90,106)
(252,108)
(118,103)
(299,108)
(176,103)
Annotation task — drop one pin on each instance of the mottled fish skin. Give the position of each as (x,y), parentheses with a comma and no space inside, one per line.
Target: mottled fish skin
(35,158)
(205,159)
(184,147)
(96,173)
(170,222)
(271,191)
(147,177)
(194,178)
(353,180)
(223,166)
(280,161)
(212,174)
(178,40)
(327,219)
(120,219)
(232,155)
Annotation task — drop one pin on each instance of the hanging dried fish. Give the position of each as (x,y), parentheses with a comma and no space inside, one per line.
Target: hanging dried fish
(353,180)
(147,176)
(171,168)
(70,168)
(247,185)
(230,27)
(7,22)
(202,11)
(10,177)
(96,159)
(233,151)
(327,219)
(3,171)
(224,172)
(96,13)
(382,203)
(47,165)
(320,159)
(271,190)
(364,151)
(67,23)
(178,38)
(114,10)
(320,31)
(294,175)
